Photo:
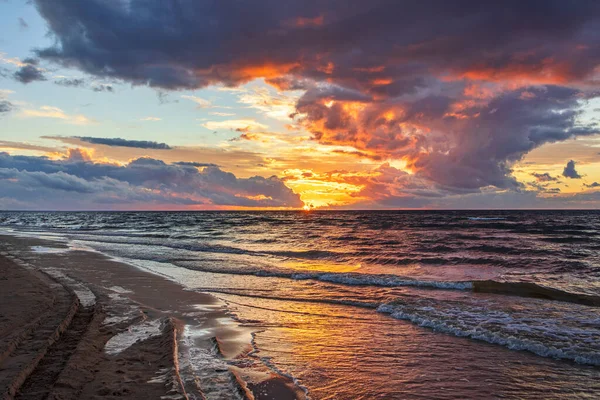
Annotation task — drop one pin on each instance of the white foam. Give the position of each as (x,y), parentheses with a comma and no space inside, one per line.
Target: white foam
(135,333)
(202,365)
(119,289)
(49,250)
(553,330)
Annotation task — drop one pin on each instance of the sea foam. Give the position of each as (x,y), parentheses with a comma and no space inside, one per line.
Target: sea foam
(517,325)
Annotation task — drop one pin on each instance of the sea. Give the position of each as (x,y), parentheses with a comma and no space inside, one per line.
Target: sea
(382,304)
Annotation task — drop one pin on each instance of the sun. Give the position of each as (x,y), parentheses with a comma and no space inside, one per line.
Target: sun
(307,207)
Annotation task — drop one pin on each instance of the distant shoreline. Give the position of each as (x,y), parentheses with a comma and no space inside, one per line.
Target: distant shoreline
(322,210)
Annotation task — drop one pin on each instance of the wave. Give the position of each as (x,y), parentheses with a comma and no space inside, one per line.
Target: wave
(320,300)
(518,289)
(359,256)
(486,218)
(386,280)
(514,288)
(521,326)
(350,279)
(529,289)
(554,330)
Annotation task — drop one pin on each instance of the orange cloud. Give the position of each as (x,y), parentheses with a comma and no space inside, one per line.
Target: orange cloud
(548,72)
(267,70)
(382,81)
(304,22)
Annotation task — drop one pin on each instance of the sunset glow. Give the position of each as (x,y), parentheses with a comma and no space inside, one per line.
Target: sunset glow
(312,124)
(300,199)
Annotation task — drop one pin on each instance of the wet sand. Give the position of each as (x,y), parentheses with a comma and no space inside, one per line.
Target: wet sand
(77,324)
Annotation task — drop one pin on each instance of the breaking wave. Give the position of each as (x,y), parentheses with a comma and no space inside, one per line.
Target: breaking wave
(518,326)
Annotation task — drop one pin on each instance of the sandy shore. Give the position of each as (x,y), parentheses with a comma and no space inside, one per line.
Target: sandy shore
(79,325)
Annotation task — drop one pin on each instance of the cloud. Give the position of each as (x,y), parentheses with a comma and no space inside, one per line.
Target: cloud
(592,185)
(221,114)
(41,183)
(103,88)
(235,124)
(570,172)
(7,144)
(460,97)
(5,105)
(237,161)
(202,103)
(11,60)
(141,144)
(23,25)
(70,82)
(163,98)
(55,113)
(457,145)
(545,177)
(275,105)
(82,83)
(195,164)
(29,72)
(232,43)
(153,119)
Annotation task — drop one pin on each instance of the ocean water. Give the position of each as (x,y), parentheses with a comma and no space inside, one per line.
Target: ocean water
(361,305)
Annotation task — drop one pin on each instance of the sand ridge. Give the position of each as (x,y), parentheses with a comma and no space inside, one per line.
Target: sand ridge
(52,343)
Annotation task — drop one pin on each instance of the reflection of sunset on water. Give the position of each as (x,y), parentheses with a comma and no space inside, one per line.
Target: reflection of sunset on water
(378,199)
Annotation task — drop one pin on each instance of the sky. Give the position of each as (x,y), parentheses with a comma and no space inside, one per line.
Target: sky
(314,104)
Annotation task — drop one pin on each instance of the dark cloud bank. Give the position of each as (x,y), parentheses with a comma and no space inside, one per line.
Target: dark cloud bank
(78,183)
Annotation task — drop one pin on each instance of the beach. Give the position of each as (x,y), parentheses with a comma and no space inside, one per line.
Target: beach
(69,332)
(348,305)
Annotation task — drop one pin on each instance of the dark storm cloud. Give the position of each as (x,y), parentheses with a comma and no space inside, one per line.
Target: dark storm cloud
(570,171)
(505,129)
(462,150)
(42,183)
(228,41)
(460,90)
(141,144)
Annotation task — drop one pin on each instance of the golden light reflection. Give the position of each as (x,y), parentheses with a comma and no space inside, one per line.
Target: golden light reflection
(319,190)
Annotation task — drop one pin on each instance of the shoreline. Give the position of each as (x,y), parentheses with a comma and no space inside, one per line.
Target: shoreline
(129,332)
